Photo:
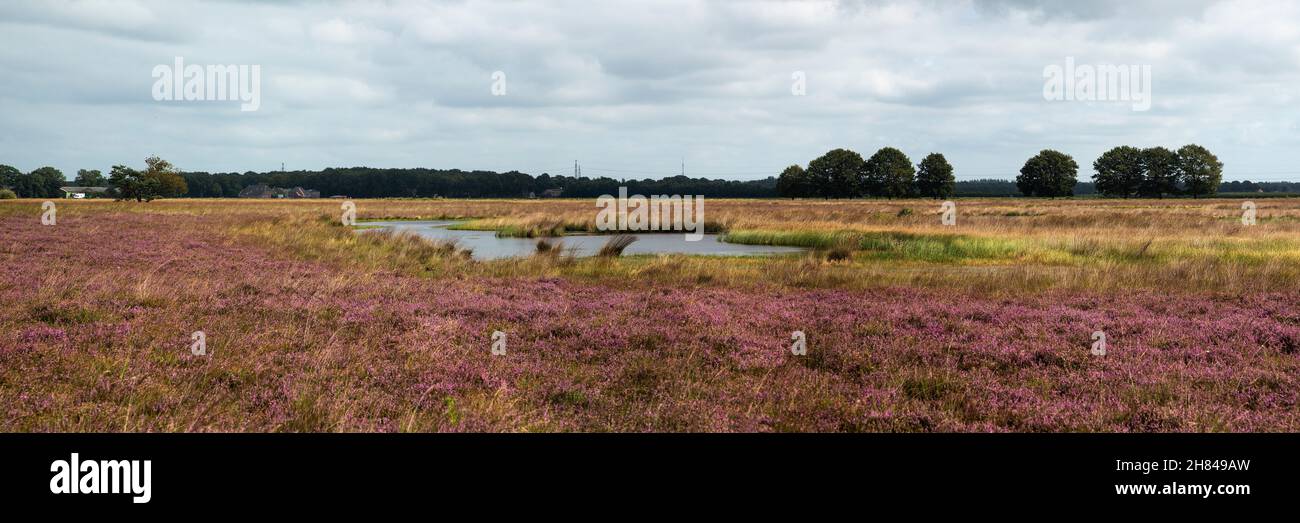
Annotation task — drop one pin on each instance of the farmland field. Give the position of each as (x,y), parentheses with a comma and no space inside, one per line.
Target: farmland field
(910,325)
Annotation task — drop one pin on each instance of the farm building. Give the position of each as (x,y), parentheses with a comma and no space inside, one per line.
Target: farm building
(83,192)
(262,190)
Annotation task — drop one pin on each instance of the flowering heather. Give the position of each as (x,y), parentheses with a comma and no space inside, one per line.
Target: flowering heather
(99,310)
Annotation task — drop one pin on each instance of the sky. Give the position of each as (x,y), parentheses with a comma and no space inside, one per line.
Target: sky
(637,89)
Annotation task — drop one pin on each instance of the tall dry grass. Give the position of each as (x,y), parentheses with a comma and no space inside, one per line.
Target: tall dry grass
(998,244)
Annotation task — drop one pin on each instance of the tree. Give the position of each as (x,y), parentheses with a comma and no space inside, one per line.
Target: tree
(1199,170)
(89,178)
(1119,172)
(45,183)
(1048,173)
(1159,172)
(889,173)
(20,183)
(836,174)
(168,179)
(9,177)
(934,177)
(794,183)
(126,183)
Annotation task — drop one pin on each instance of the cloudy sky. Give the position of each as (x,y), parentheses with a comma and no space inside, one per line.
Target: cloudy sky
(634,88)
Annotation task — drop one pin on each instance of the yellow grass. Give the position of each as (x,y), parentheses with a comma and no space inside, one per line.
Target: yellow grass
(997,245)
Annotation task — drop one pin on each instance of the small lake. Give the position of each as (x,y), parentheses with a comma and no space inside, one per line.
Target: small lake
(487,246)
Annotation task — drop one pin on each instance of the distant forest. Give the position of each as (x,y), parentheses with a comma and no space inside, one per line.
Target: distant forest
(367,182)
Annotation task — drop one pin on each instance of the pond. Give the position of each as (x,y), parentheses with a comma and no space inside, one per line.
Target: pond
(487,246)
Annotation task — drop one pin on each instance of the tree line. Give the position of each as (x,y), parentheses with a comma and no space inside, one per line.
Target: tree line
(1124,171)
(159,179)
(842,173)
(43,182)
(369,182)
(1127,171)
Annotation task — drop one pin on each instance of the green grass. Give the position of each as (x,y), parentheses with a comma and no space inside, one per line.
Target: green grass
(891,245)
(809,239)
(522,230)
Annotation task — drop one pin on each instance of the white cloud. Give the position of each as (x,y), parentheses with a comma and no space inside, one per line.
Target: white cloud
(323,90)
(334,31)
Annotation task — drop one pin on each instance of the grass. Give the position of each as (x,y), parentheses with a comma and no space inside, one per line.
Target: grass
(892,245)
(1004,246)
(614,247)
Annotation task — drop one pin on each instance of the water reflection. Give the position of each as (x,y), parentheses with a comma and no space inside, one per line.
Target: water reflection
(487,246)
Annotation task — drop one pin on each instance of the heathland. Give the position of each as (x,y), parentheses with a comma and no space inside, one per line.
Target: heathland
(911,325)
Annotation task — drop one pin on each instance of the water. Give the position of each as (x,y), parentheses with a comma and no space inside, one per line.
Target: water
(487,246)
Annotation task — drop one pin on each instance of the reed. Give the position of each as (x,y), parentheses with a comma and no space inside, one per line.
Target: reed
(614,247)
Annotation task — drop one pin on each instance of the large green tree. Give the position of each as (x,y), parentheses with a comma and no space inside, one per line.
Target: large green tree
(9,176)
(889,173)
(1199,170)
(89,178)
(159,179)
(45,183)
(1048,173)
(836,174)
(126,183)
(1159,173)
(934,177)
(794,182)
(168,177)
(1119,172)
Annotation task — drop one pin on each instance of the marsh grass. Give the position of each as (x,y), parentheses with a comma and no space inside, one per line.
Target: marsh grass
(999,245)
(527,227)
(546,248)
(554,252)
(614,247)
(854,259)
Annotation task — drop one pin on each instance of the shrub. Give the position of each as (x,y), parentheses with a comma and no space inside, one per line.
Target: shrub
(839,254)
(549,248)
